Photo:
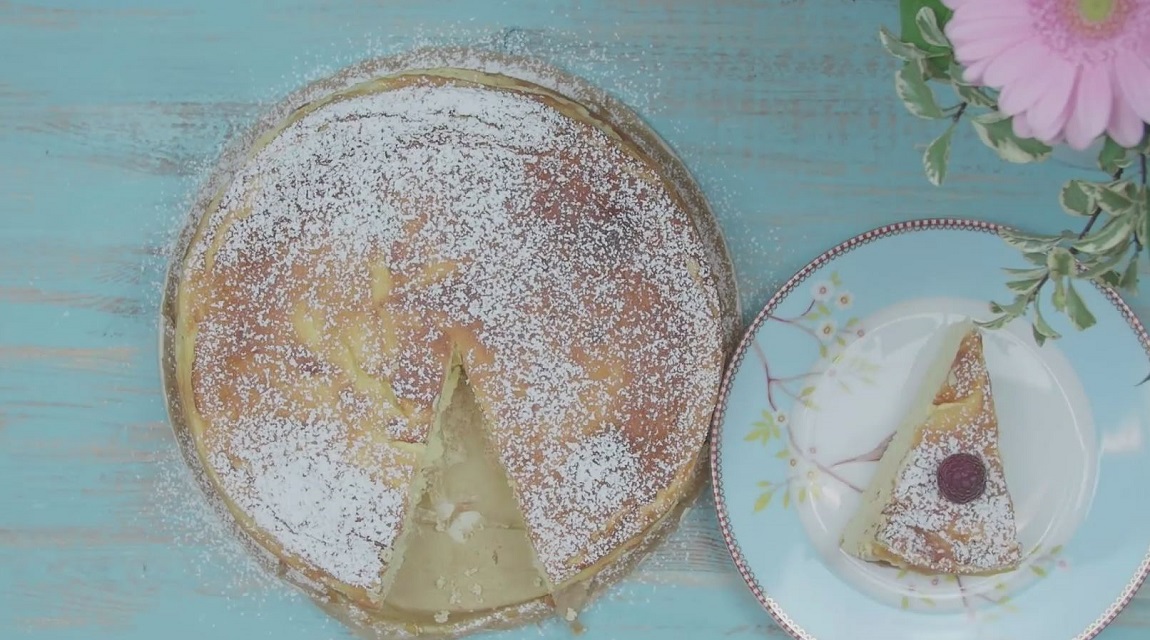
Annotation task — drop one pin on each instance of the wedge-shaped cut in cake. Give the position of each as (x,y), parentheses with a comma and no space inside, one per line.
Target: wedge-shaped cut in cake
(939,502)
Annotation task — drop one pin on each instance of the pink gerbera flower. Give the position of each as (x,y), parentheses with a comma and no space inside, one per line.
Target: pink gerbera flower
(1066,70)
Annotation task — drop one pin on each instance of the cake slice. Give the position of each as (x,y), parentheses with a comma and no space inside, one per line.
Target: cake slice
(938,502)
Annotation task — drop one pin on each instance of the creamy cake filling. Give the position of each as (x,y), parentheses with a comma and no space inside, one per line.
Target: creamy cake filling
(466,548)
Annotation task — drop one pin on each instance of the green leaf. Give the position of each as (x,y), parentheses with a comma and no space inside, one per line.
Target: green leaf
(974,95)
(1113,157)
(916,96)
(1142,213)
(1114,234)
(1076,309)
(806,391)
(1103,265)
(899,49)
(1029,243)
(1116,198)
(1060,262)
(783,454)
(1058,298)
(996,131)
(1076,200)
(937,156)
(1036,257)
(1028,273)
(1039,339)
(955,73)
(928,28)
(1109,278)
(802,495)
(1024,285)
(764,500)
(1129,280)
(1042,329)
(937,66)
(1038,571)
(786,499)
(1056,549)
(1015,308)
(765,483)
(995,323)
(908,14)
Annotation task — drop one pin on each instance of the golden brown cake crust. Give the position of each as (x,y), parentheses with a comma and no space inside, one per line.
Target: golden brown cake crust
(330,283)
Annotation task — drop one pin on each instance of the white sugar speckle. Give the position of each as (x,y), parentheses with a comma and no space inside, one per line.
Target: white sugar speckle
(294,480)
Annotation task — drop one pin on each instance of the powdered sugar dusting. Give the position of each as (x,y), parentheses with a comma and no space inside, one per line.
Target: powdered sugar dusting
(922,526)
(375,234)
(294,480)
(602,470)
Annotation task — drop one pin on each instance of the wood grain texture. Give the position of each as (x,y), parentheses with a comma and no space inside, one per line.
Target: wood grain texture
(110,114)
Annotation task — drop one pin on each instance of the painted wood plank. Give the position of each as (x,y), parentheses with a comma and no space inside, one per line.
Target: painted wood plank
(109,115)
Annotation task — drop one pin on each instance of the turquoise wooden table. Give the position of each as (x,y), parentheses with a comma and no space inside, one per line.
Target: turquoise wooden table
(112,111)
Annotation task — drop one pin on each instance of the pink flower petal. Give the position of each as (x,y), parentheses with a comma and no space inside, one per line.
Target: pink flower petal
(1021,126)
(1134,79)
(972,9)
(962,32)
(1049,113)
(973,71)
(1052,132)
(1023,58)
(987,47)
(1093,98)
(1125,126)
(1021,94)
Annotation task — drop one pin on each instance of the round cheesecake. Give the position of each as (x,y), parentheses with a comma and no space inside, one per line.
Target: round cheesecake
(447,343)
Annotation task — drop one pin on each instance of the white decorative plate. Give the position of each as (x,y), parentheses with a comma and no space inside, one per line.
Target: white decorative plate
(823,376)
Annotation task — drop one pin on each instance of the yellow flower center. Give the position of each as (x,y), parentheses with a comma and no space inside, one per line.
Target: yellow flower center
(1096,10)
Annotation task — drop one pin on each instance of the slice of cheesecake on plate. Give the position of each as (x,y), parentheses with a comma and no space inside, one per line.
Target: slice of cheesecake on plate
(939,502)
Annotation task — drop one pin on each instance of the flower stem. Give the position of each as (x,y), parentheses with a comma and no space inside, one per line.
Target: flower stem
(961,110)
(1098,209)
(1142,169)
